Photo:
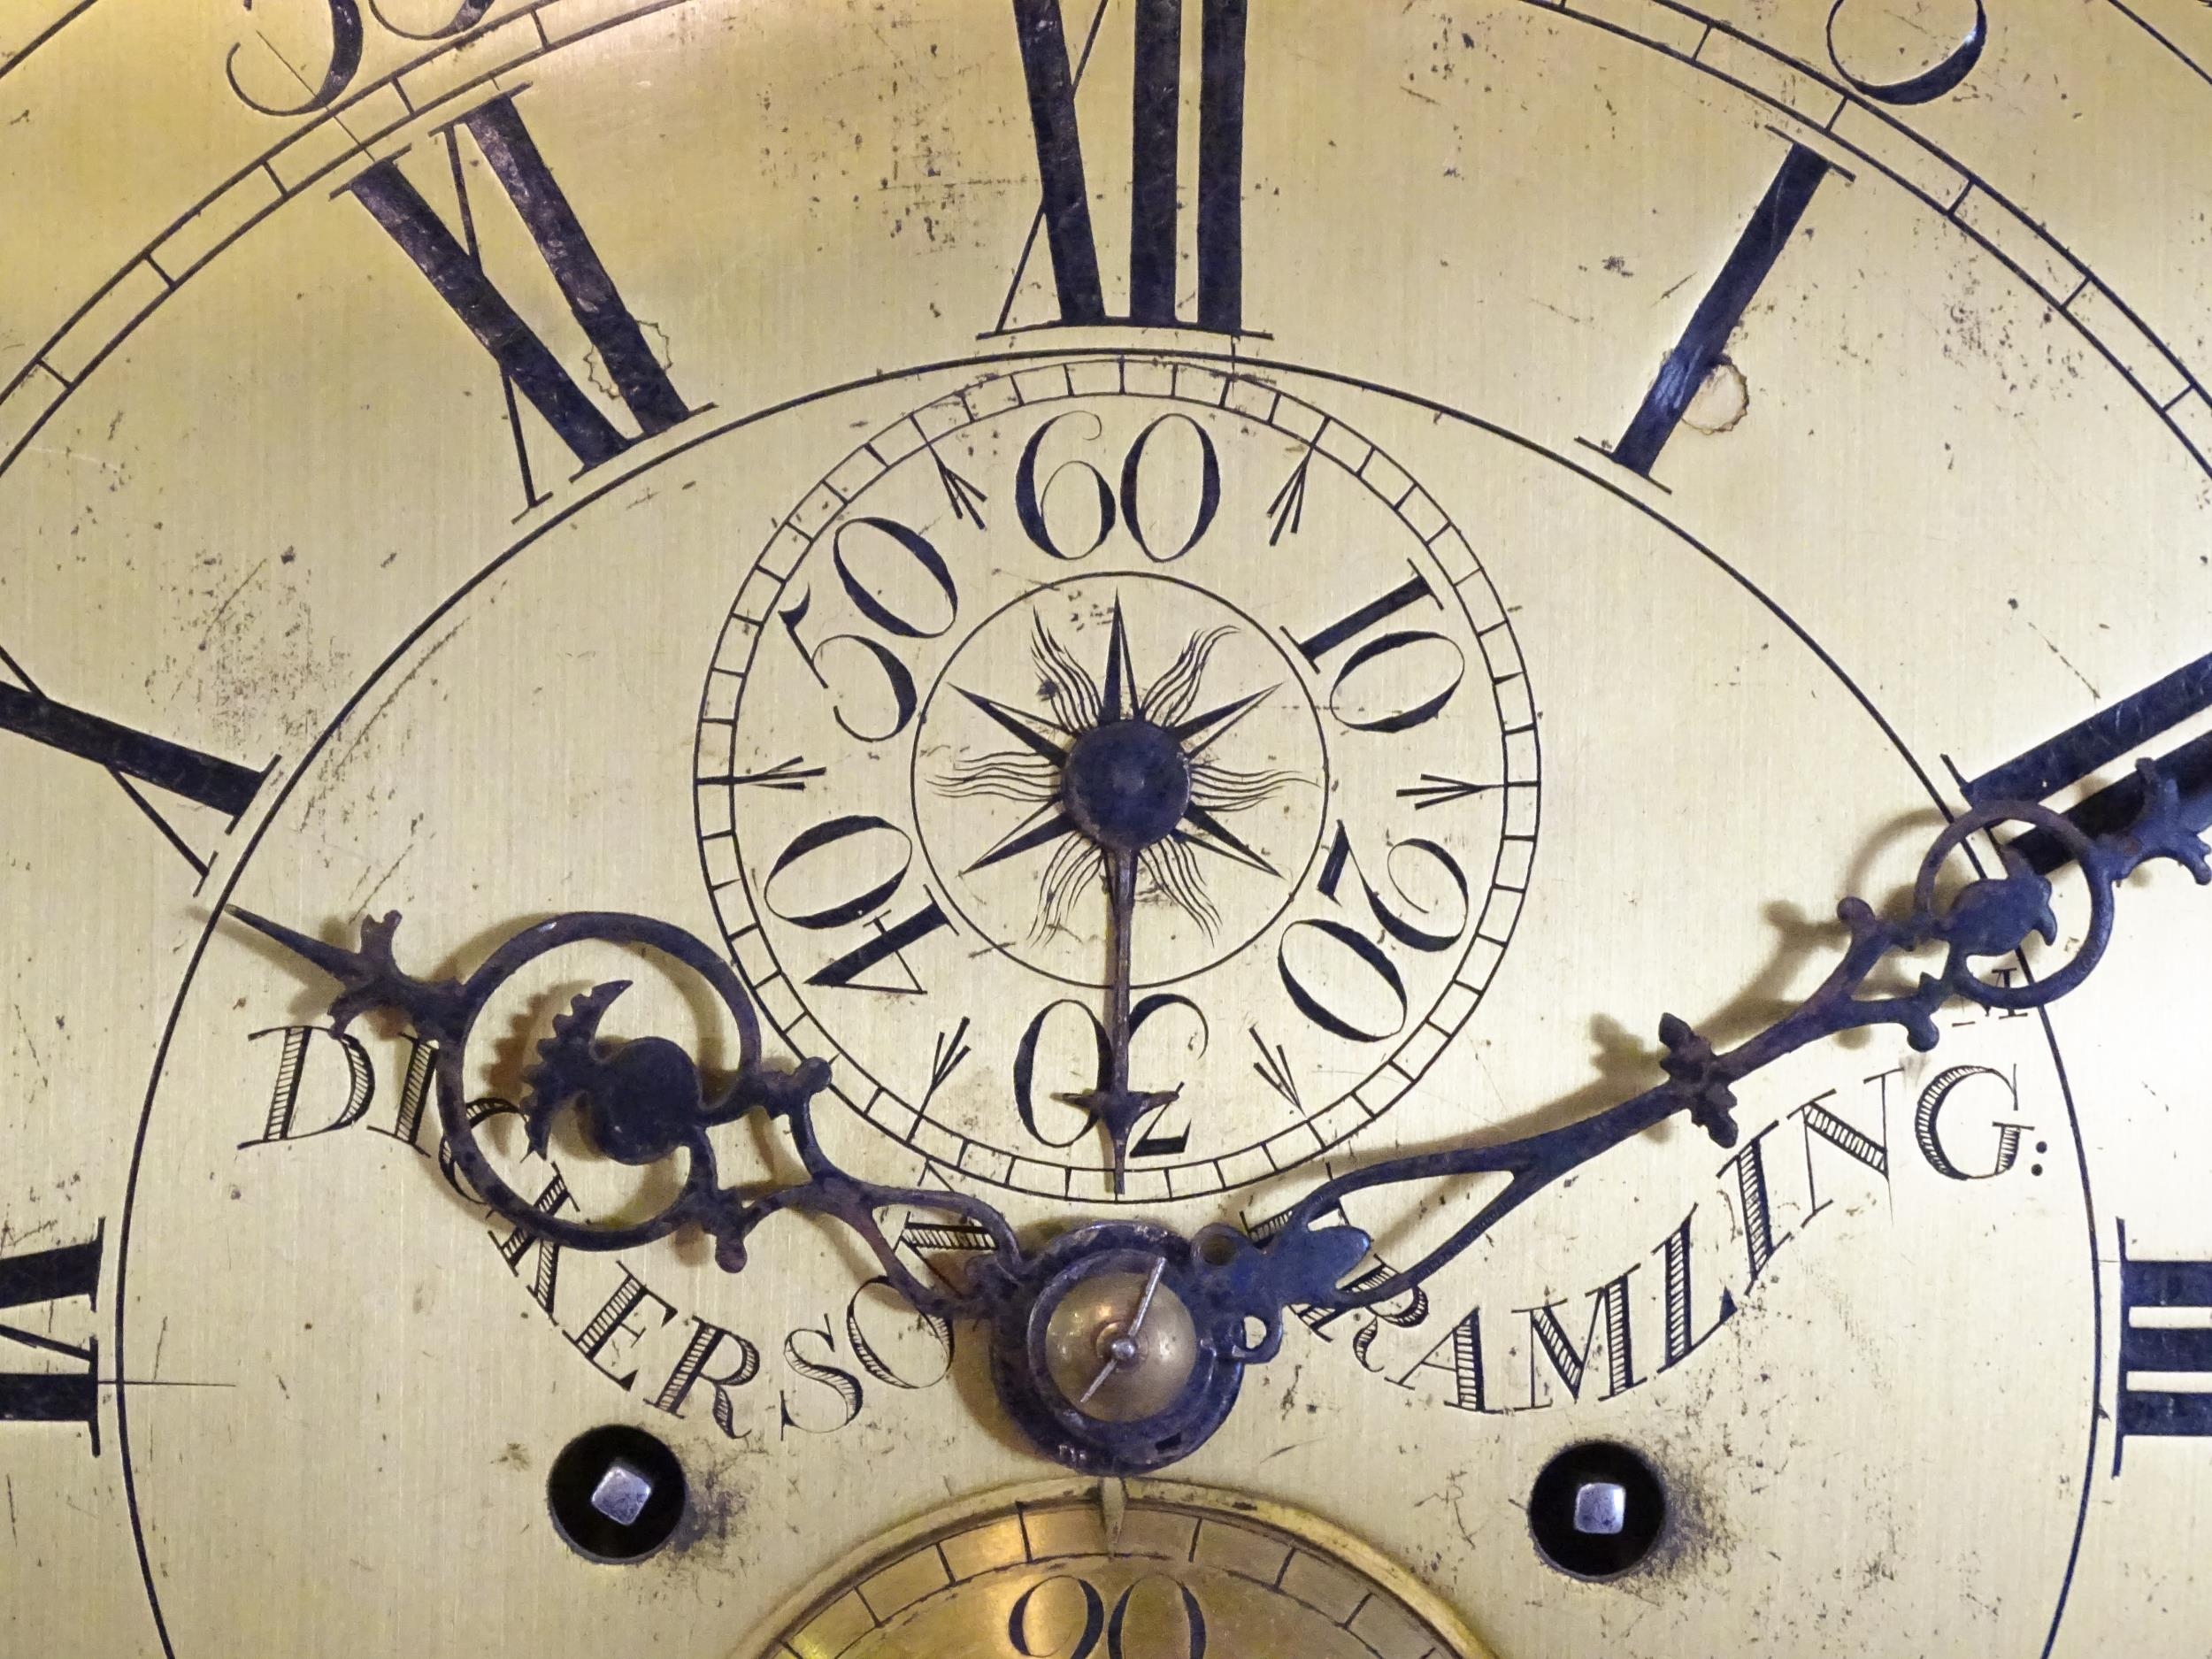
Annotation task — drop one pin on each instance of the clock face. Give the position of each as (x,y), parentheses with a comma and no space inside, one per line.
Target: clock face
(1195,598)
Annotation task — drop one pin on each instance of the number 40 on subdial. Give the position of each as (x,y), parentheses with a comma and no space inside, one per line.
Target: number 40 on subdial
(1313,648)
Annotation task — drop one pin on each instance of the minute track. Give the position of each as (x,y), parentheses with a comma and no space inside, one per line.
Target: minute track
(972,782)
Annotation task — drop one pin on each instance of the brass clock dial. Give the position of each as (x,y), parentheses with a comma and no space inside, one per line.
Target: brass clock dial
(1005,655)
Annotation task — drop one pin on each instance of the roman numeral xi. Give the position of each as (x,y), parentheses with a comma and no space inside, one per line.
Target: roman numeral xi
(454,268)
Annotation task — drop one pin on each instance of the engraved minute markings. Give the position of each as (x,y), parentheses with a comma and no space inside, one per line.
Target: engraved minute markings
(450,257)
(1058,532)
(848,880)
(1775,221)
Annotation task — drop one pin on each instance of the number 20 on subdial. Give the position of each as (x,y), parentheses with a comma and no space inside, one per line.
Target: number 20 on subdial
(961,598)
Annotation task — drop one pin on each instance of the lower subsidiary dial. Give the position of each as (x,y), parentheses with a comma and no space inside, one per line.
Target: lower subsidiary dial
(1136,1568)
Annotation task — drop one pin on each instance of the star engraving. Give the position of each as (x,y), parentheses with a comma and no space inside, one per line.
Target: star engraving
(1076,701)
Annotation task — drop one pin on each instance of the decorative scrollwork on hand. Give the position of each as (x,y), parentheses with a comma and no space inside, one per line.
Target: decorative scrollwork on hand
(642,1102)
(1994,915)
(1990,917)
(645,1100)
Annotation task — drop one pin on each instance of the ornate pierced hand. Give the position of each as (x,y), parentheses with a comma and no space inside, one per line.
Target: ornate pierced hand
(1068,1355)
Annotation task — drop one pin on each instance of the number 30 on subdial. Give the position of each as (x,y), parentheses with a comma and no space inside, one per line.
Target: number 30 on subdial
(1005,569)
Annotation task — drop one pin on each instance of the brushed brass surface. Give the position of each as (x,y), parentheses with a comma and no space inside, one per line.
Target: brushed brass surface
(1570,695)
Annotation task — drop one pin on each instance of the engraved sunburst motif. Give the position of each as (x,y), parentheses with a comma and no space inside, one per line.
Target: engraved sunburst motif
(1173,870)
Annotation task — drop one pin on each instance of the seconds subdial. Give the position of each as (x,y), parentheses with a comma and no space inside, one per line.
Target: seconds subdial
(1126,771)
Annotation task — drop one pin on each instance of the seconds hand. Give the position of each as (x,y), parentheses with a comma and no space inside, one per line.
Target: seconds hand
(1118,1107)
(1126,783)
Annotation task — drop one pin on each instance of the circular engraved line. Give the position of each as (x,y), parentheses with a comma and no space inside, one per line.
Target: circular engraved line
(257,829)
(2061,303)
(1304,1131)
(1098,982)
(63,388)
(356,149)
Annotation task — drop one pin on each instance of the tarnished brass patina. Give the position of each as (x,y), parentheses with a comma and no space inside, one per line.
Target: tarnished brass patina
(1194,601)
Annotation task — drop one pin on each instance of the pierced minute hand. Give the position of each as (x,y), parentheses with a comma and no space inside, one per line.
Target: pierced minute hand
(644,1100)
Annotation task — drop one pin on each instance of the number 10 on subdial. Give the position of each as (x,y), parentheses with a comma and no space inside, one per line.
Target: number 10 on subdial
(1322,685)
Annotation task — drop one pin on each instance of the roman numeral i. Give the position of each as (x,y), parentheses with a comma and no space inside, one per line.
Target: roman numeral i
(1771,225)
